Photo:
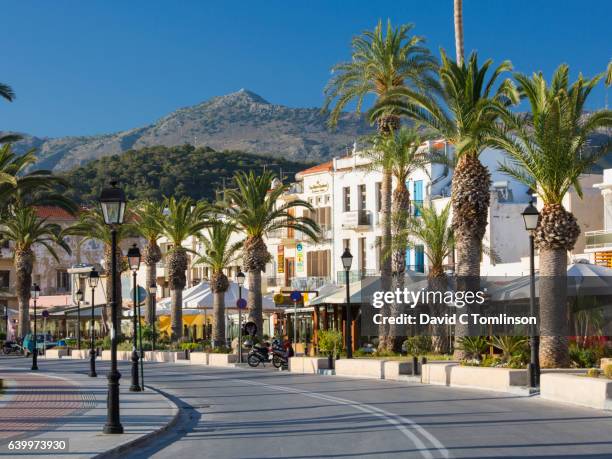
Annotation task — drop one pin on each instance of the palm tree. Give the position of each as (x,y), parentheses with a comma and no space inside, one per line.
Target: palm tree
(397,152)
(149,216)
(25,230)
(182,219)
(433,230)
(548,150)
(256,211)
(468,109)
(382,61)
(218,254)
(19,188)
(458,9)
(6,92)
(91,225)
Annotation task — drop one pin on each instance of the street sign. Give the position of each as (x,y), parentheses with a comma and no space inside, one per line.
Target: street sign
(296,296)
(241,303)
(45,313)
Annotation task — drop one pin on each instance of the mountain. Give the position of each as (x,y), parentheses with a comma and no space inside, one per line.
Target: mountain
(155,172)
(241,121)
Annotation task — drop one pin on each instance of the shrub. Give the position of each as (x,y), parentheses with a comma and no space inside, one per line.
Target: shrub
(585,357)
(2,336)
(417,345)
(473,346)
(608,371)
(221,350)
(512,347)
(330,342)
(593,373)
(192,347)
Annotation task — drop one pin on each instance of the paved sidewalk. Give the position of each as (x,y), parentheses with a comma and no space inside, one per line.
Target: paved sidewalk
(44,406)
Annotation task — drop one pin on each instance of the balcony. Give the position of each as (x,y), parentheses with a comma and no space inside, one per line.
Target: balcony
(309,283)
(356,275)
(601,239)
(358,220)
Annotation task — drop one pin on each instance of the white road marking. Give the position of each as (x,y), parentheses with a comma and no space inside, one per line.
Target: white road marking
(399,422)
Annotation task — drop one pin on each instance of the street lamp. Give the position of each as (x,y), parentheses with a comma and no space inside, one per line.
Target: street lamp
(35,293)
(133,257)
(79,297)
(240,278)
(113,202)
(347,260)
(93,279)
(531,217)
(153,294)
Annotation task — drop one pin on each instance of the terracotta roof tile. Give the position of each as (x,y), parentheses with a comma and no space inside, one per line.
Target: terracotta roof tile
(325,167)
(53,213)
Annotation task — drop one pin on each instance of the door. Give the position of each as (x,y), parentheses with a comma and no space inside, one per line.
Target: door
(289,271)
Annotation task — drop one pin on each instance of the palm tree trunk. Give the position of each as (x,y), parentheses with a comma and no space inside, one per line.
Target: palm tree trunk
(553,308)
(24,263)
(218,331)
(177,279)
(438,282)
(470,203)
(106,311)
(254,301)
(151,274)
(458,7)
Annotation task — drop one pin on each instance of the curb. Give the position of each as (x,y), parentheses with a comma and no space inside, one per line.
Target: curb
(121,450)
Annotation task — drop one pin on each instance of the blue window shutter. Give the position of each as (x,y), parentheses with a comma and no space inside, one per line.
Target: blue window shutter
(419,258)
(408,258)
(417,196)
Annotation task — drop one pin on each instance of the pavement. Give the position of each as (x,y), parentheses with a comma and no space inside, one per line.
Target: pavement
(49,405)
(235,413)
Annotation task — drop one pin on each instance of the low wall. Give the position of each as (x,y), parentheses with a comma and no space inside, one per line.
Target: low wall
(308,365)
(164,356)
(79,353)
(57,353)
(199,358)
(393,369)
(577,390)
(121,355)
(437,374)
(360,368)
(223,360)
(500,379)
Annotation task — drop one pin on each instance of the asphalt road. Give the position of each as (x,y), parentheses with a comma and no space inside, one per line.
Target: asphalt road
(256,414)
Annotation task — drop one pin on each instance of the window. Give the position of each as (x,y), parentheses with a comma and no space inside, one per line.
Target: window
(5,279)
(378,196)
(417,196)
(318,263)
(346,193)
(62,280)
(362,255)
(419,258)
(362,197)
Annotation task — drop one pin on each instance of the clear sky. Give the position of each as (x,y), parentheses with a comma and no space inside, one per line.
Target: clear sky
(88,67)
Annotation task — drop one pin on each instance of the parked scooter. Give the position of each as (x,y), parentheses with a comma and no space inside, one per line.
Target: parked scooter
(259,353)
(281,353)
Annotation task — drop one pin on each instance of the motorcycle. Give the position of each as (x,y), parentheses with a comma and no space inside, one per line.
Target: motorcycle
(11,347)
(281,353)
(259,353)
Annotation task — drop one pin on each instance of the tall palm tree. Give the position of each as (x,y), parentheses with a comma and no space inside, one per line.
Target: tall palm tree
(398,152)
(548,150)
(20,188)
(6,92)
(182,219)
(256,211)
(433,230)
(464,113)
(218,254)
(91,225)
(148,216)
(26,230)
(458,10)
(382,60)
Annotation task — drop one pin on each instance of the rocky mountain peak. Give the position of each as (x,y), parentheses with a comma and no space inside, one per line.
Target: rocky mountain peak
(241,97)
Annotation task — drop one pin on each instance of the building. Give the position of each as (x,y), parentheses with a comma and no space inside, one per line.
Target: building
(598,241)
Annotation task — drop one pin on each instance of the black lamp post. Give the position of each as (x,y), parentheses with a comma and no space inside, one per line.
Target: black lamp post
(93,279)
(531,217)
(153,294)
(347,260)
(240,277)
(113,202)
(79,297)
(133,256)
(35,293)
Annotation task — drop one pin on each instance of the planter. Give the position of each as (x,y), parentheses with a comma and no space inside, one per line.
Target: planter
(199,358)
(500,379)
(223,360)
(360,368)
(79,353)
(164,356)
(57,353)
(121,355)
(577,390)
(437,373)
(393,369)
(308,365)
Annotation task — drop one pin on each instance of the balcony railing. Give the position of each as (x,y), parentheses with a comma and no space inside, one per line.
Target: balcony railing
(355,276)
(309,283)
(598,239)
(357,219)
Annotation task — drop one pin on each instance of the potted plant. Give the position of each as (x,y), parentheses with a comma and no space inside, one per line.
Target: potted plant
(330,343)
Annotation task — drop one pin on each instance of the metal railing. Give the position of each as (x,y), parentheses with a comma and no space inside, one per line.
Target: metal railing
(356,275)
(598,239)
(310,282)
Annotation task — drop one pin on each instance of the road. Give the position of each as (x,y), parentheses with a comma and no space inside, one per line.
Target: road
(256,414)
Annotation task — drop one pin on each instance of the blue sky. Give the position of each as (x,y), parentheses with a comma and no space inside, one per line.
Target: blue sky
(99,66)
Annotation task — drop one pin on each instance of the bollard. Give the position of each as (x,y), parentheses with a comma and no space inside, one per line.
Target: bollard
(415,365)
